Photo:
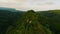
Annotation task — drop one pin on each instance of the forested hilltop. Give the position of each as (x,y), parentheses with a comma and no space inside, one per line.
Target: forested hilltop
(13,21)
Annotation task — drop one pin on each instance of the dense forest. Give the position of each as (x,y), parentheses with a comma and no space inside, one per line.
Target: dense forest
(14,21)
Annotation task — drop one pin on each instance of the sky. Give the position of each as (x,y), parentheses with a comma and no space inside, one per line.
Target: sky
(31,4)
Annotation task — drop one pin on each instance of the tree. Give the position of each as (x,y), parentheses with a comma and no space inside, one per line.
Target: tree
(29,24)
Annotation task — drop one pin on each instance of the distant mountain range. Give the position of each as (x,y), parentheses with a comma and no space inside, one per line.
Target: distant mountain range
(10,9)
(13,9)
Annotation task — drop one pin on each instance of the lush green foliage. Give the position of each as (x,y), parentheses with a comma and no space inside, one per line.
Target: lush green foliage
(52,19)
(8,18)
(29,24)
(19,22)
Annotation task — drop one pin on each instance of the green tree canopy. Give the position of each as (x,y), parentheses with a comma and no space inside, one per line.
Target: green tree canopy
(29,24)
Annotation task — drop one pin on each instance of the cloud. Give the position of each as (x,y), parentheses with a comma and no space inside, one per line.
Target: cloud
(31,4)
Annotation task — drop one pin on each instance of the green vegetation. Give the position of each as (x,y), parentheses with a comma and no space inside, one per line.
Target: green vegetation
(19,22)
(29,25)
